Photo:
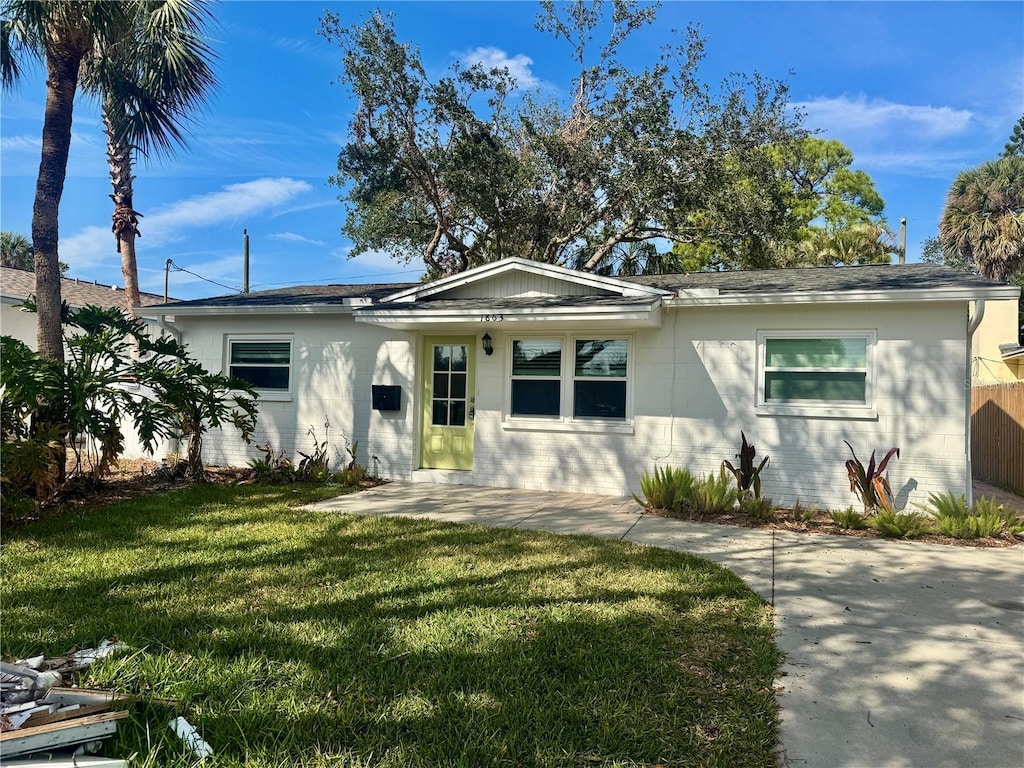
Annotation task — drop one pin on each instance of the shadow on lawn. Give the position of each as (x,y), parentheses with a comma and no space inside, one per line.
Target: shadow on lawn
(290,632)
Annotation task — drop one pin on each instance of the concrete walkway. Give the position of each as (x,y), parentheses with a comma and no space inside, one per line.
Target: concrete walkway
(897,654)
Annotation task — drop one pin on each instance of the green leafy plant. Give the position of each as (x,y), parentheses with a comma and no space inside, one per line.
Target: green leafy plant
(668,489)
(273,467)
(849,519)
(801,514)
(714,495)
(748,478)
(354,473)
(870,483)
(900,525)
(315,466)
(984,519)
(757,507)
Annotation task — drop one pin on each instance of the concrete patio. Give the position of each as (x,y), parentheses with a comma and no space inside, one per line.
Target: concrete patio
(897,653)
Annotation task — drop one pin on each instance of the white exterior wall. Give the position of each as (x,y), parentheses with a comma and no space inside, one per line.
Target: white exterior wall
(335,361)
(692,387)
(709,385)
(20,325)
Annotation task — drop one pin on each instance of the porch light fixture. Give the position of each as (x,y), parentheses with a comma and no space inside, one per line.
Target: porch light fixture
(488,346)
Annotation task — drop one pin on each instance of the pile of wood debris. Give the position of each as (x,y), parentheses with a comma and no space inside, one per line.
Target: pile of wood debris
(40,711)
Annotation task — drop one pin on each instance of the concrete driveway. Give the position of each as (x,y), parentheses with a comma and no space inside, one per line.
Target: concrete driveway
(897,654)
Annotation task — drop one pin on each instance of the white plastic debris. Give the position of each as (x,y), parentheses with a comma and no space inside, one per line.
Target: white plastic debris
(188,734)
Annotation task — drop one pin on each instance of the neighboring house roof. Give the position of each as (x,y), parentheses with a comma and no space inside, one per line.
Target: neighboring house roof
(908,282)
(18,284)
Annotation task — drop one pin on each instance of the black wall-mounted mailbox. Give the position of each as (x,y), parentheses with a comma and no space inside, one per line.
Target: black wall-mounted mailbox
(386,397)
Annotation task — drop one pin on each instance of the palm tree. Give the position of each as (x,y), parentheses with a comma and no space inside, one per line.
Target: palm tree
(984,217)
(15,251)
(64,35)
(103,44)
(158,76)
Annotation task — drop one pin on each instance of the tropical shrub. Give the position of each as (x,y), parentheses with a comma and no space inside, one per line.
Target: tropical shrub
(757,507)
(748,478)
(801,514)
(669,489)
(985,518)
(900,525)
(869,483)
(849,519)
(714,495)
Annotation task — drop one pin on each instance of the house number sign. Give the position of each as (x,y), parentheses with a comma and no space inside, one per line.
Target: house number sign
(491,318)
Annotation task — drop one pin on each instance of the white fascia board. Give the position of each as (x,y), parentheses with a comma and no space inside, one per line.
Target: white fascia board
(420,316)
(847,297)
(485,271)
(279,309)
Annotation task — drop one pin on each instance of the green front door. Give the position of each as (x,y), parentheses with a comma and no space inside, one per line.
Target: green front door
(448,403)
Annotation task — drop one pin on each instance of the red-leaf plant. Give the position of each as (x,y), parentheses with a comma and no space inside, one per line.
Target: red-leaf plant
(870,483)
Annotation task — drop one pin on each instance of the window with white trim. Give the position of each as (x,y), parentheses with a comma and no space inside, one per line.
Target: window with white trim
(802,370)
(264,363)
(569,378)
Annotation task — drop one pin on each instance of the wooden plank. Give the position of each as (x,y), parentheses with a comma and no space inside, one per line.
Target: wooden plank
(63,734)
(64,696)
(67,714)
(68,761)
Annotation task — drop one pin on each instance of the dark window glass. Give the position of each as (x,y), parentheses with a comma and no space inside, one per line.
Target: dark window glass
(601,358)
(458,387)
(440,385)
(594,398)
(260,353)
(261,378)
(536,358)
(458,413)
(535,397)
(440,415)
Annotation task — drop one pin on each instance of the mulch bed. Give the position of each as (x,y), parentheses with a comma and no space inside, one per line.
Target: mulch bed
(821,523)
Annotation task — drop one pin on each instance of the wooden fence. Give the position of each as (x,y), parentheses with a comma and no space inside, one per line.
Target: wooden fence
(997,434)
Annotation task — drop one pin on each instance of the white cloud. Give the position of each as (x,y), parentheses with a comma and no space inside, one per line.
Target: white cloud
(21,143)
(860,115)
(95,245)
(495,58)
(291,237)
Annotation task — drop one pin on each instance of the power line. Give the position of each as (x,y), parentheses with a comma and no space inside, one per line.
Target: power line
(194,274)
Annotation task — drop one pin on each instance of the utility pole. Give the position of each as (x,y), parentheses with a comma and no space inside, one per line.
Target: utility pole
(903,240)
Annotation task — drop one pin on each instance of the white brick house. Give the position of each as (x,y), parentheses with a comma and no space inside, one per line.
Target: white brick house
(591,380)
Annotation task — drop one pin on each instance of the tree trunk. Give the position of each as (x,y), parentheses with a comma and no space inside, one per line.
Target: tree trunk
(61,83)
(125,218)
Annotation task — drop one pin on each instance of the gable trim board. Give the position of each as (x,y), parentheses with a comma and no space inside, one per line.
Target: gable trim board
(594,380)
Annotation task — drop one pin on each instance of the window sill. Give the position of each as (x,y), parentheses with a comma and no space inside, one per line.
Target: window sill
(824,411)
(269,395)
(584,427)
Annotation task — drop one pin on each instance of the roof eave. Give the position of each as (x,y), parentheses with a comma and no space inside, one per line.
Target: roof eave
(850,297)
(418,317)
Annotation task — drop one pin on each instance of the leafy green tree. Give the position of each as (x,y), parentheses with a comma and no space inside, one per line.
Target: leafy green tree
(1015,146)
(158,74)
(464,170)
(815,210)
(983,219)
(16,251)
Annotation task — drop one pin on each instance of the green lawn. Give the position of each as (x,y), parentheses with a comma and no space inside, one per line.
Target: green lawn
(293,637)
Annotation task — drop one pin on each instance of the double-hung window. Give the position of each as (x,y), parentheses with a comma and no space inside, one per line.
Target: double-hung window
(569,379)
(265,363)
(828,372)
(536,377)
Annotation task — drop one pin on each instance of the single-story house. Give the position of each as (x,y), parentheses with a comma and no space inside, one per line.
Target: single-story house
(522,374)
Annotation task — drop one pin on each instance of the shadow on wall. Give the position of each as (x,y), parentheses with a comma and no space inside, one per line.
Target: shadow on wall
(997,436)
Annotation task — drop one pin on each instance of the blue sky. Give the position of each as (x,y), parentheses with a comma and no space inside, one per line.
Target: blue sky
(918,91)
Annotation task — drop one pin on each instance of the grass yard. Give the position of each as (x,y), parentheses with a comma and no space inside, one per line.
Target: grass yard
(293,637)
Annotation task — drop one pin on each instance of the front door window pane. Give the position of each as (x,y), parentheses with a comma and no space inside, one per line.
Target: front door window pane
(450,384)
